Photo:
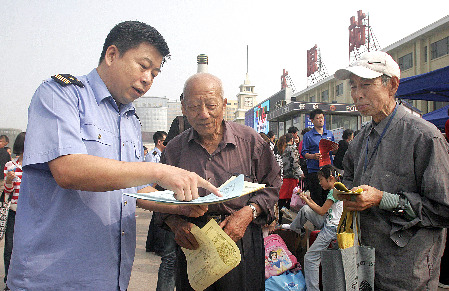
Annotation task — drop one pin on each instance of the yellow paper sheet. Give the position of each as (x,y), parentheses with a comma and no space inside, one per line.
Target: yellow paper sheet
(216,256)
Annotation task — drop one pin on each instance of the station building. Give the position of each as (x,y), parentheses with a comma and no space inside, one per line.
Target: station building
(421,52)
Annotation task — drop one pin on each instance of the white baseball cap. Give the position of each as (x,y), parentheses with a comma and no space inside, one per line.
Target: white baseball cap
(371,65)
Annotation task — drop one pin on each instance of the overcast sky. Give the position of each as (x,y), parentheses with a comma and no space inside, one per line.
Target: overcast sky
(42,38)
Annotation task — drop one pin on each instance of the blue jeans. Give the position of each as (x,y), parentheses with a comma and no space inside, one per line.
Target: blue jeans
(307,214)
(166,273)
(312,258)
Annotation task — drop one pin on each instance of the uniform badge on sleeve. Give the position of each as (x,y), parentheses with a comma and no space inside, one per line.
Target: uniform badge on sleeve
(67,79)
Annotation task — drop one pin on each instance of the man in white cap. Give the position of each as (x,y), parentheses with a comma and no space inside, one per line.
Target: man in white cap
(401,162)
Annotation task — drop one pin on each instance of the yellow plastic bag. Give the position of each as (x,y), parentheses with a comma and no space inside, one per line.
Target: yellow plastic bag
(345,233)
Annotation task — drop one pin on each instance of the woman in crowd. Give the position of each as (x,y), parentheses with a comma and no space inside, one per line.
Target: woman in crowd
(291,171)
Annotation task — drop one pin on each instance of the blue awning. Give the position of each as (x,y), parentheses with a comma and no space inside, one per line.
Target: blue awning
(432,86)
(438,117)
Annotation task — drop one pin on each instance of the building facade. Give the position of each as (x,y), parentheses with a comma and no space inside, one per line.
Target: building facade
(231,108)
(173,110)
(421,52)
(155,113)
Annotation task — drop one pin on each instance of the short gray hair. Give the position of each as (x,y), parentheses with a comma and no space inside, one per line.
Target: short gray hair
(385,79)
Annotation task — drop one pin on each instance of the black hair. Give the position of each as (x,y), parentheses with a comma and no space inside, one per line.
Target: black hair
(158,135)
(270,134)
(4,137)
(328,170)
(292,129)
(305,130)
(19,143)
(289,137)
(315,112)
(347,133)
(130,34)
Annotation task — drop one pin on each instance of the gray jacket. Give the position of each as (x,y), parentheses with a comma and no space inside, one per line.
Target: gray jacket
(413,160)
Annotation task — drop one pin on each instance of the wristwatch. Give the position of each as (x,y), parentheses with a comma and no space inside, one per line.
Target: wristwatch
(254,209)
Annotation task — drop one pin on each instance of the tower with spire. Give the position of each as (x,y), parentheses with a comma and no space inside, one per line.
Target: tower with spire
(246,98)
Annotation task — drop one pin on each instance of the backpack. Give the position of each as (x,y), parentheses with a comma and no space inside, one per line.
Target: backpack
(278,258)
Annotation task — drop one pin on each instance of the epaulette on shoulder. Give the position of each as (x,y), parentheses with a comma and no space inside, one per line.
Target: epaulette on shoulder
(137,116)
(154,153)
(67,79)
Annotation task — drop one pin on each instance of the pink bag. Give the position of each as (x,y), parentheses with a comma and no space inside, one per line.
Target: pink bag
(278,258)
(296,203)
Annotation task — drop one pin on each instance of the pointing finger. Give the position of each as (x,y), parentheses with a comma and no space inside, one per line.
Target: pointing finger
(208,186)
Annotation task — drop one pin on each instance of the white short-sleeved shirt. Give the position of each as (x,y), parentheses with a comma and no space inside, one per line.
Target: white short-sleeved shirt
(68,239)
(334,212)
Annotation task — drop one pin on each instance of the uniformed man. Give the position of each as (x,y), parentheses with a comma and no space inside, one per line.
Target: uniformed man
(159,145)
(75,230)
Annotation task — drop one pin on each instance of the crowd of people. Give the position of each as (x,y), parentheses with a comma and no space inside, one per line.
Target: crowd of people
(75,228)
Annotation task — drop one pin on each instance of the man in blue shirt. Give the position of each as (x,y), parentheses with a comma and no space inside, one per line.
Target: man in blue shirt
(75,230)
(311,151)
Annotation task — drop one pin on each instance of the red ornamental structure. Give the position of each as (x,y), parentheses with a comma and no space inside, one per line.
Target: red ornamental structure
(312,60)
(357,29)
(284,79)
(316,70)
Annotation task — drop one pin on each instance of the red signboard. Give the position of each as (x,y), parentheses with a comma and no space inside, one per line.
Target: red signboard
(312,58)
(357,36)
(284,79)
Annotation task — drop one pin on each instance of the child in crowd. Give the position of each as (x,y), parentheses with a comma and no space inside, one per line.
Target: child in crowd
(324,217)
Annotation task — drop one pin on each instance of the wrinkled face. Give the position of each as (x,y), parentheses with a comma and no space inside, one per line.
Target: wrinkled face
(371,97)
(204,106)
(318,120)
(131,74)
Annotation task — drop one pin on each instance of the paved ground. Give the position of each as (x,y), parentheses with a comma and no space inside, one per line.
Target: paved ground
(146,265)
